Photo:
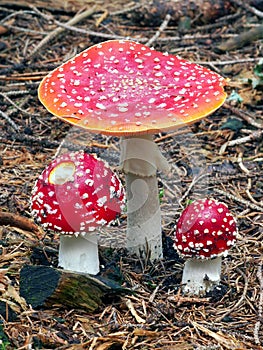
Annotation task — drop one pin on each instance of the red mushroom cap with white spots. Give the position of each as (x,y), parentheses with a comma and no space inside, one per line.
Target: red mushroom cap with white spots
(120,87)
(205,229)
(77,193)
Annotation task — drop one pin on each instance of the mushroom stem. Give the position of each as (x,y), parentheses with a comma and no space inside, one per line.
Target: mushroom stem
(144,233)
(79,254)
(200,276)
(140,159)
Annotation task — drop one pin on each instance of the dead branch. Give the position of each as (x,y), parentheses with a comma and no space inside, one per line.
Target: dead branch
(79,17)
(8,99)
(244,115)
(10,121)
(241,40)
(248,7)
(239,200)
(15,220)
(256,135)
(160,30)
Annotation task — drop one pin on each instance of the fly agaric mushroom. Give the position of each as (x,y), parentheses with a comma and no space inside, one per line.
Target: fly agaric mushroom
(73,196)
(205,231)
(126,89)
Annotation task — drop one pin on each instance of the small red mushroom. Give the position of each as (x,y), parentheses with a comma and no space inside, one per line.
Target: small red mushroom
(127,89)
(75,195)
(205,232)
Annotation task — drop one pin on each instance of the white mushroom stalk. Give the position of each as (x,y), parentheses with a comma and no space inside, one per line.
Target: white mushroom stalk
(205,232)
(201,276)
(79,254)
(74,196)
(140,159)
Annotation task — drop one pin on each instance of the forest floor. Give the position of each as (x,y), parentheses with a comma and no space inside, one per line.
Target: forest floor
(220,156)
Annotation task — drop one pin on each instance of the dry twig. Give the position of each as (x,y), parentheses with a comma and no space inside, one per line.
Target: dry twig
(10,121)
(239,200)
(256,135)
(244,115)
(228,62)
(69,26)
(79,17)
(246,6)
(8,99)
(242,39)
(134,313)
(239,301)
(162,27)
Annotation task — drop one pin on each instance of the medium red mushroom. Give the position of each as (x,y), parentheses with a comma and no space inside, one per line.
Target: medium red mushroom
(205,232)
(75,195)
(126,89)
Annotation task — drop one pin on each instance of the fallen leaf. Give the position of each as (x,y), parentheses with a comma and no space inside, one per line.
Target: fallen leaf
(134,313)
(11,293)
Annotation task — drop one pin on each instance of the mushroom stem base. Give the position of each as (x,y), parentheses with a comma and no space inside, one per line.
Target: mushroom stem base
(201,276)
(79,254)
(144,234)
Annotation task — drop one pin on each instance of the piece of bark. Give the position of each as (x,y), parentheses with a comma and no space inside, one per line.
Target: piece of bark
(43,286)
(241,40)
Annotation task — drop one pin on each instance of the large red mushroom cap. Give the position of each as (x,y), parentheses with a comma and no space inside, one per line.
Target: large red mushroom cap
(206,229)
(77,193)
(120,87)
